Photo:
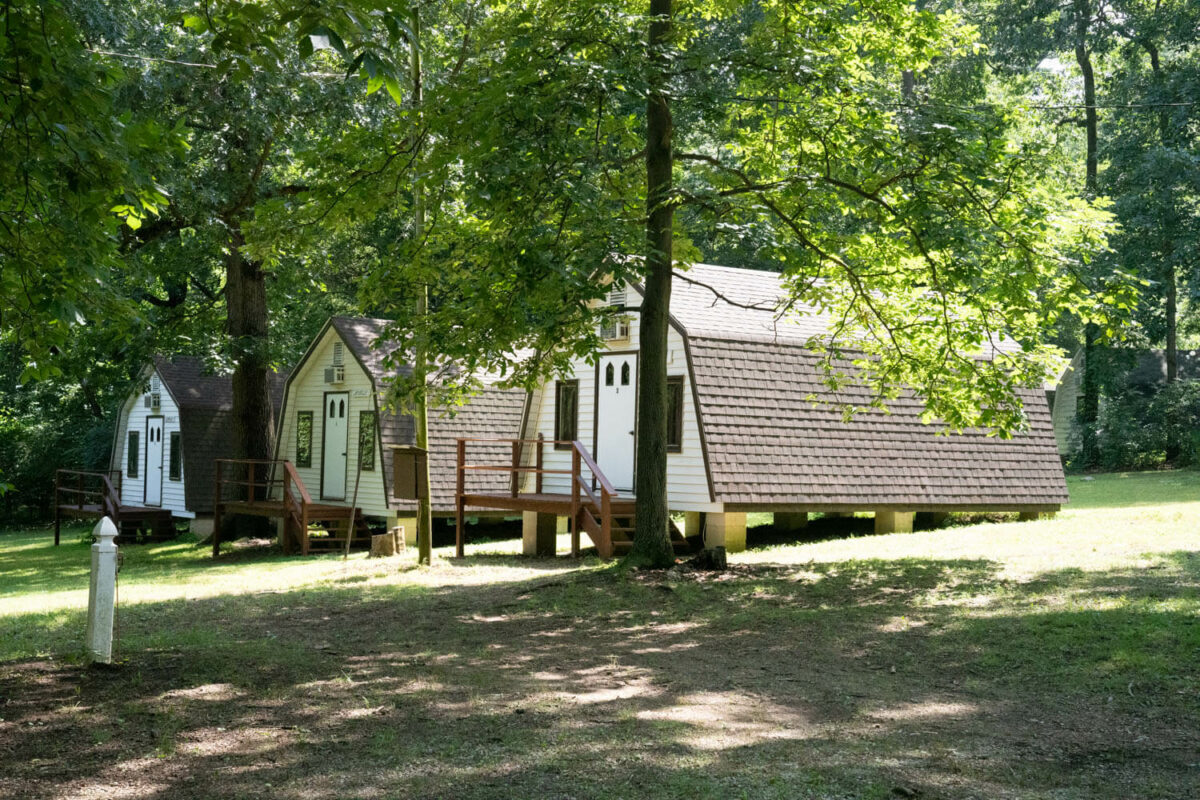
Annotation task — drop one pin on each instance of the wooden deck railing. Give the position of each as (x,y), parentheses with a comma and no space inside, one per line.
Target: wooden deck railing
(90,493)
(278,479)
(586,505)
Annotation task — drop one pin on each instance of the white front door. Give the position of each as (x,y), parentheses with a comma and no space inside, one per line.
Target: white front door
(616,415)
(154,461)
(337,429)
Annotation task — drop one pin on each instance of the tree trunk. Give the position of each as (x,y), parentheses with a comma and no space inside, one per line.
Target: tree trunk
(1168,252)
(1089,411)
(246,325)
(651,542)
(420,357)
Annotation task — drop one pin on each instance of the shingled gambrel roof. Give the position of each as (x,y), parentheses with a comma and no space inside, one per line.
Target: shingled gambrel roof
(769,445)
(205,404)
(493,413)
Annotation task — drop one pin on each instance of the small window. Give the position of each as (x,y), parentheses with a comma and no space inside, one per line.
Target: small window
(609,374)
(675,414)
(625,374)
(304,438)
(338,354)
(566,413)
(131,460)
(175,458)
(366,441)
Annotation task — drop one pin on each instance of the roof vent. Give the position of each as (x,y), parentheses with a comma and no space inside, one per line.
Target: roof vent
(616,297)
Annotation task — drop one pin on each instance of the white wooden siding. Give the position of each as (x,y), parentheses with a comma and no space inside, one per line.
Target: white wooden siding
(306,392)
(133,418)
(687,479)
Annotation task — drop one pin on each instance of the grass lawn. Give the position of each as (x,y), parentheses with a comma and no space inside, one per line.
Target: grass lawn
(1052,659)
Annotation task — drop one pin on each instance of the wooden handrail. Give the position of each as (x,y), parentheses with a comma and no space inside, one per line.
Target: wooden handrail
(591,465)
(99,489)
(295,497)
(583,492)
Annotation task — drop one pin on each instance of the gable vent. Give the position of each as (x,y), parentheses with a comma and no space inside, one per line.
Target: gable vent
(339,354)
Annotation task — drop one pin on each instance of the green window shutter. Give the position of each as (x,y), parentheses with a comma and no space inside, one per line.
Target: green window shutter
(175,458)
(366,441)
(131,460)
(304,438)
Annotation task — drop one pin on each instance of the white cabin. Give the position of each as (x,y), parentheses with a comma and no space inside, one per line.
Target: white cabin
(170,429)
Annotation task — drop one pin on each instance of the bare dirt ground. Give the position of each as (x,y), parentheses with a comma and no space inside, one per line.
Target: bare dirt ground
(900,678)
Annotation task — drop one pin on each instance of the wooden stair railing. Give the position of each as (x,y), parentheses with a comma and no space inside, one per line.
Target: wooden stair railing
(83,490)
(278,475)
(591,496)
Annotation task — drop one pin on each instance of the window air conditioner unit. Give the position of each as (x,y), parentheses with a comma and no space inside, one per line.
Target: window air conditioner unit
(153,400)
(614,330)
(335,374)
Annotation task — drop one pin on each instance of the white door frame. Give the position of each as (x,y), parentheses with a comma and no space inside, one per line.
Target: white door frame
(620,471)
(339,403)
(154,461)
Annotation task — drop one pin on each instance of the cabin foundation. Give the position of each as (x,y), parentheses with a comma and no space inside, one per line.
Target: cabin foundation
(539,533)
(410,528)
(893,521)
(727,529)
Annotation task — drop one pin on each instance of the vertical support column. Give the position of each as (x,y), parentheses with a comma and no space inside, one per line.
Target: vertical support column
(460,484)
(727,529)
(539,533)
(102,593)
(216,535)
(791,521)
(893,521)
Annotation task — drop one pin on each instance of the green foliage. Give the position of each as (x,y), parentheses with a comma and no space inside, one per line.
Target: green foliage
(77,168)
(1151,430)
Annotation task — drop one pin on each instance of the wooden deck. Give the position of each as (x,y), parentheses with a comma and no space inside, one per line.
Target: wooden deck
(82,494)
(272,488)
(592,506)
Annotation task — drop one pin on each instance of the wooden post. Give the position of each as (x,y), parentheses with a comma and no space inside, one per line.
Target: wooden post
(216,536)
(79,489)
(541,461)
(459,489)
(606,516)
(575,479)
(516,466)
(57,503)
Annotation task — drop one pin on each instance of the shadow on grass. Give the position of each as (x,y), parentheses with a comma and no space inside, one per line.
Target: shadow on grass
(872,678)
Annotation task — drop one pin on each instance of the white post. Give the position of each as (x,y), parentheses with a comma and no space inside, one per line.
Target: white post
(103,592)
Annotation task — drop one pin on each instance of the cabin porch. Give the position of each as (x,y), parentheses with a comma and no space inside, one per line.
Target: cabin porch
(84,494)
(591,507)
(271,488)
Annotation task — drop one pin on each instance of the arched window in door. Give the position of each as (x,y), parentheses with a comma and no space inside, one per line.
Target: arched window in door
(625,374)
(608,375)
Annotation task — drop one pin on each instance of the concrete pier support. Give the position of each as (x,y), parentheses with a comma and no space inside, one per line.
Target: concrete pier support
(893,521)
(102,593)
(727,529)
(538,533)
(791,520)
(410,528)
(693,521)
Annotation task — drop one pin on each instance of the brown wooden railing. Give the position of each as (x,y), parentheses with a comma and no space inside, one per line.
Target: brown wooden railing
(89,493)
(591,495)
(278,479)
